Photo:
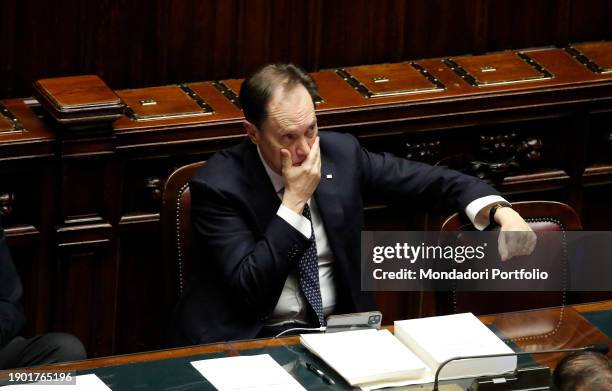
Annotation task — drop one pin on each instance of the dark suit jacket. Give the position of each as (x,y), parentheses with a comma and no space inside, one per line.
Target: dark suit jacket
(244,251)
(12,318)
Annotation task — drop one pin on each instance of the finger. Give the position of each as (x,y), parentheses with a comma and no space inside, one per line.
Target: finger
(317,154)
(526,244)
(531,243)
(502,246)
(316,145)
(286,161)
(312,161)
(314,153)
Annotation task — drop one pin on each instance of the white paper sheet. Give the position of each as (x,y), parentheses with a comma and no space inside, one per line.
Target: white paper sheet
(247,373)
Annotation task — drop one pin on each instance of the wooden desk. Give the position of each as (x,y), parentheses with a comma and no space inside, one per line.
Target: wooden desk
(552,328)
(86,201)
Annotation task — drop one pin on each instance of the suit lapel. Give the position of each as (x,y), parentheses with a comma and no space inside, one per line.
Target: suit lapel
(259,193)
(331,210)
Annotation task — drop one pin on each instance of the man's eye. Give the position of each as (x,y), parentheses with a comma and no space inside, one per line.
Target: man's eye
(289,137)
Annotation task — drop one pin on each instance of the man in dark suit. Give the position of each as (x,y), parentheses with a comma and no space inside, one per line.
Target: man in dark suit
(16,351)
(277,218)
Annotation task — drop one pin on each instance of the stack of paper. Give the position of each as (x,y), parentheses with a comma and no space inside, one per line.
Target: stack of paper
(365,356)
(440,338)
(372,359)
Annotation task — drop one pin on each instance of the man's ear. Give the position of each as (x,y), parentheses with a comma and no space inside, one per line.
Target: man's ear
(251,131)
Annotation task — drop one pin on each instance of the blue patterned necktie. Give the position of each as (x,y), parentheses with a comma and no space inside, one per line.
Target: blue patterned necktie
(308,270)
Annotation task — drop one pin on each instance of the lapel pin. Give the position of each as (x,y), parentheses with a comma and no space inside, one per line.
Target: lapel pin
(329,176)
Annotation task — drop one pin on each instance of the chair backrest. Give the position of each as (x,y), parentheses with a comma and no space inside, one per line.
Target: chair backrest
(176,230)
(541,216)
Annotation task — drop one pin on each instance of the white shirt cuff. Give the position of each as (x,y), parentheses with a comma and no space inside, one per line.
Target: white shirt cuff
(295,220)
(476,209)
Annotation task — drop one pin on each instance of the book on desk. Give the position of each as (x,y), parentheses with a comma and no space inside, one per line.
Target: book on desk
(372,359)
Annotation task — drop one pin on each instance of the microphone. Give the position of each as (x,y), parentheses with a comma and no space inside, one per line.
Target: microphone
(600,347)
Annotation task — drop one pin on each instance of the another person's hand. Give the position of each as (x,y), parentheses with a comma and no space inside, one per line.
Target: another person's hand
(301,181)
(516,238)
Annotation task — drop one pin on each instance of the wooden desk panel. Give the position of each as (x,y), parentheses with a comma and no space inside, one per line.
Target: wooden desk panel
(34,142)
(575,331)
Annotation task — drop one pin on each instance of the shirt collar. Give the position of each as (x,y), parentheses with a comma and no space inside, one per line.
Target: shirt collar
(277,180)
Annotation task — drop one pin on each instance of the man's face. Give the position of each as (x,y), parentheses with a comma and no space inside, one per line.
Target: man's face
(291,124)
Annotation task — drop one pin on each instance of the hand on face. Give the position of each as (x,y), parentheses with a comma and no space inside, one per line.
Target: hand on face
(300,180)
(516,238)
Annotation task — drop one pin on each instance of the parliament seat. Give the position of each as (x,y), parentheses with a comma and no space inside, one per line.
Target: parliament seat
(176,230)
(541,216)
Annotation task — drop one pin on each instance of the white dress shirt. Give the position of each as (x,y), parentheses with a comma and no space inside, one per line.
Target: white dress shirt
(292,305)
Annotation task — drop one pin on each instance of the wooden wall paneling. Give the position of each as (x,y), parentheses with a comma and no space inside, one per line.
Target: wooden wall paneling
(597,208)
(27,189)
(85,286)
(591,22)
(277,31)
(575,137)
(23,194)
(596,213)
(40,28)
(25,247)
(192,31)
(442,28)
(564,18)
(143,181)
(143,43)
(28,194)
(294,32)
(48,200)
(132,53)
(515,24)
(387,25)
(142,318)
(599,143)
(46,196)
(86,258)
(7,56)
(253,43)
(85,192)
(358,32)
(597,175)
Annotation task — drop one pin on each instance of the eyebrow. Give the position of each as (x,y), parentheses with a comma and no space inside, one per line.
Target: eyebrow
(291,131)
